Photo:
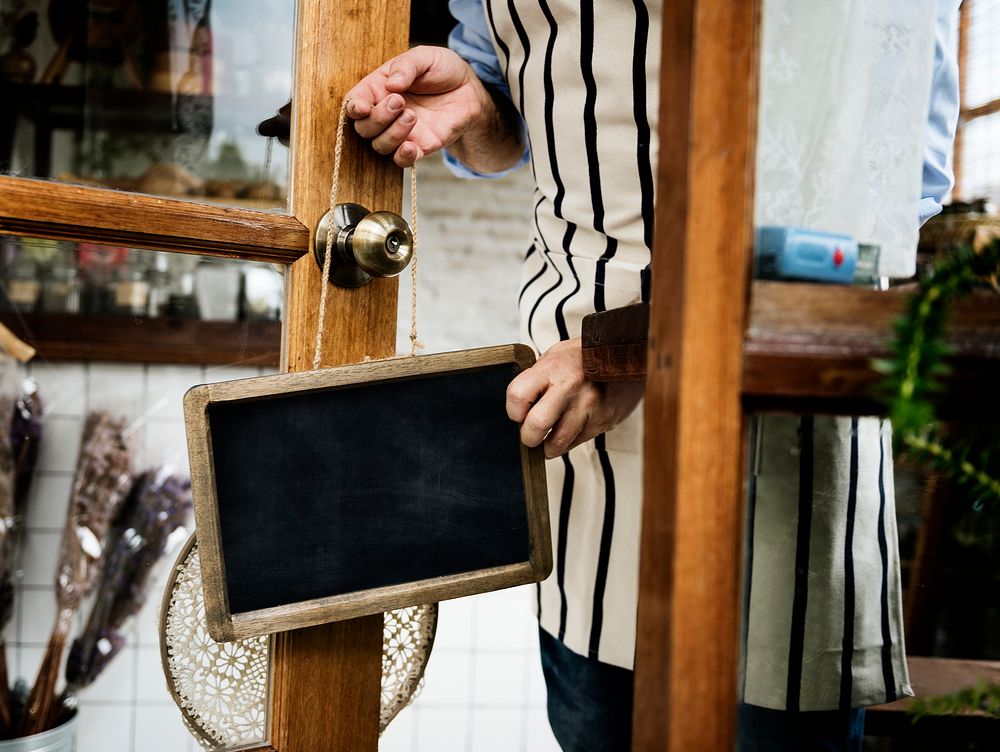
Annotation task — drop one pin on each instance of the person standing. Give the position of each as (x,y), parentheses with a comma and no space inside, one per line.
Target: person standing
(572,90)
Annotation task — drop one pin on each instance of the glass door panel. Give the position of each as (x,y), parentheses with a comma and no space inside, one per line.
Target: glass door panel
(83,301)
(172,98)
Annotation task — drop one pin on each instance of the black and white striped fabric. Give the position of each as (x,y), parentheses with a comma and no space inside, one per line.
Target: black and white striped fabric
(824,626)
(578,73)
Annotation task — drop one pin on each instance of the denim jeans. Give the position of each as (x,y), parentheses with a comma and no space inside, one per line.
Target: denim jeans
(589,702)
(590,710)
(766,730)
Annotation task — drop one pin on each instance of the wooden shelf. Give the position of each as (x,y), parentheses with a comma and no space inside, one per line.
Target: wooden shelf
(936,676)
(809,348)
(148,340)
(56,107)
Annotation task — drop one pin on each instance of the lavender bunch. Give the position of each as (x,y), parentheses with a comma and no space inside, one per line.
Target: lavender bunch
(9,513)
(6,557)
(25,439)
(156,508)
(18,455)
(99,486)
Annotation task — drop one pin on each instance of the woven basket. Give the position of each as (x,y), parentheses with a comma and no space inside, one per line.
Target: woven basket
(222,689)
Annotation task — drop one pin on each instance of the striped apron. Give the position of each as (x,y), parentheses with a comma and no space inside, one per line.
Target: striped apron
(583,76)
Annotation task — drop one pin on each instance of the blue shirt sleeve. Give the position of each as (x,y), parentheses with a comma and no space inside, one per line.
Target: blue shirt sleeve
(942,120)
(471,40)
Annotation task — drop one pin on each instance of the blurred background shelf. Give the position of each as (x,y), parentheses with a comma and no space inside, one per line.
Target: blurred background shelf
(148,340)
(52,107)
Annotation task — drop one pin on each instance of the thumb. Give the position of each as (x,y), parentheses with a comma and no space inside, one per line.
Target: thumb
(408,67)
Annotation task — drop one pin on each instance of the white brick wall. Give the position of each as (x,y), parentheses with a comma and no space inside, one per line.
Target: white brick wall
(472,236)
(484,689)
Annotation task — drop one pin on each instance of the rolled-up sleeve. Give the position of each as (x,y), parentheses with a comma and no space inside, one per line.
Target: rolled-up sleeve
(942,120)
(471,40)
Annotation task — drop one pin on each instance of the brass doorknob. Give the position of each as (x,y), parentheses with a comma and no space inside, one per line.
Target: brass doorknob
(365,244)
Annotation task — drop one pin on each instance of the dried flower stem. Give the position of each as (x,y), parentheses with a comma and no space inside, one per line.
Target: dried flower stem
(7,482)
(102,477)
(156,507)
(21,441)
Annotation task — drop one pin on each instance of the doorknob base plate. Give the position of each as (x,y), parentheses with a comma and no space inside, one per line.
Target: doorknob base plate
(341,221)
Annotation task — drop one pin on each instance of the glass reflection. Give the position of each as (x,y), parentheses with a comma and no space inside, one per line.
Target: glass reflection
(160,97)
(869,576)
(54,277)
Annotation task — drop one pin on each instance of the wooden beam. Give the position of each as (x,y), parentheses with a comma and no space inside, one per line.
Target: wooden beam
(692,529)
(615,344)
(326,689)
(818,360)
(84,214)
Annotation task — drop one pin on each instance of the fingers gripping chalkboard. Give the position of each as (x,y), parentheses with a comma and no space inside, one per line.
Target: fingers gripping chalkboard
(347,491)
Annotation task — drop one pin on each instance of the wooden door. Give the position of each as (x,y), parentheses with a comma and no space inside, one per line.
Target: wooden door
(325,691)
(689,613)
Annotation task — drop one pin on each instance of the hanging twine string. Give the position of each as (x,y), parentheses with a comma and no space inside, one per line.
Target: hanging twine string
(415,344)
(328,257)
(325,283)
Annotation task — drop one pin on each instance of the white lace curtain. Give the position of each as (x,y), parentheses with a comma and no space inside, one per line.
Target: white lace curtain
(845,87)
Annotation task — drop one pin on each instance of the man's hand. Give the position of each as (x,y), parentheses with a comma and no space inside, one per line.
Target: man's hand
(554,403)
(426,99)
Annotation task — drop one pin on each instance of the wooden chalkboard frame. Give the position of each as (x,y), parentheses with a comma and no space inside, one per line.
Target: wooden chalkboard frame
(224,626)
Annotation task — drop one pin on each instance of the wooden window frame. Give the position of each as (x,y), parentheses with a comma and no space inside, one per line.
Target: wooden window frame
(966,114)
(59,211)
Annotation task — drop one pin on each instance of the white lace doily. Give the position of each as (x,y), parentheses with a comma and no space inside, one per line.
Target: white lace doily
(222,689)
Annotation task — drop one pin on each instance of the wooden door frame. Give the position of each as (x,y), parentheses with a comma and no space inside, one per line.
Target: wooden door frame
(326,680)
(687,645)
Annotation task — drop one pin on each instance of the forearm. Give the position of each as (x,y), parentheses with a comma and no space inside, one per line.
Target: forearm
(493,141)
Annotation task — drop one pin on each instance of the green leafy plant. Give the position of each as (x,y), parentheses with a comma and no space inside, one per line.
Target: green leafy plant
(982,697)
(913,374)
(912,378)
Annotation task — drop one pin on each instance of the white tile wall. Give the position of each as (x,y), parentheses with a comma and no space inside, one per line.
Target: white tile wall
(47,501)
(108,727)
(128,709)
(401,736)
(442,729)
(497,729)
(483,687)
(28,660)
(159,729)
(58,451)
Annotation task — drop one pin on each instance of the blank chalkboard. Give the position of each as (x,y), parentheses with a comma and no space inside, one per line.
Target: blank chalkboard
(347,491)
